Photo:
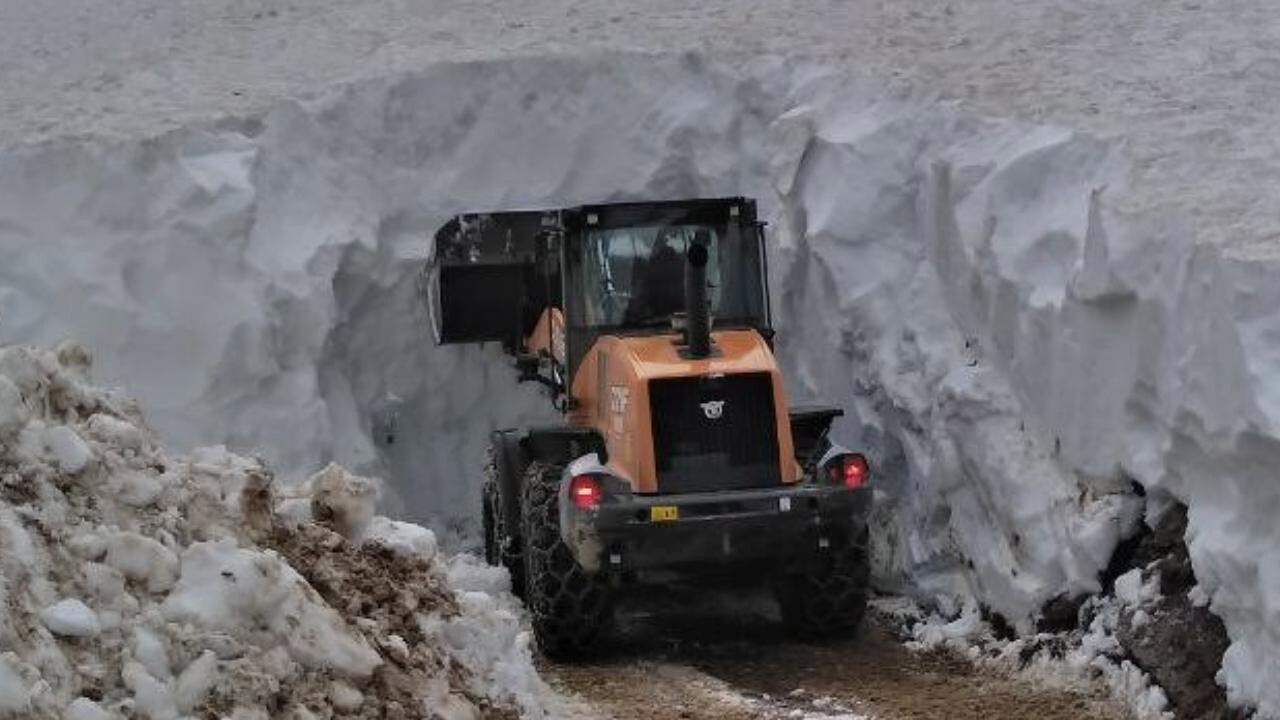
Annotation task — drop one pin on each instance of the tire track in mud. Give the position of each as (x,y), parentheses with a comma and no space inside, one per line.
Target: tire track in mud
(692,661)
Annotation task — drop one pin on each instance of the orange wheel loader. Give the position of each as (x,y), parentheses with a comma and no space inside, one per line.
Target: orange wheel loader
(649,325)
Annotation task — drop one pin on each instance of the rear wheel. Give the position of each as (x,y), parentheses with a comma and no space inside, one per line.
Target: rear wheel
(569,606)
(500,546)
(827,600)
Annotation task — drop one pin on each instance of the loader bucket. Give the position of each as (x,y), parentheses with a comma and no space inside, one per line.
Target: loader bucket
(481,283)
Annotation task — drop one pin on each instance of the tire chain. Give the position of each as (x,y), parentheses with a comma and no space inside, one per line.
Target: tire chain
(827,603)
(500,547)
(569,606)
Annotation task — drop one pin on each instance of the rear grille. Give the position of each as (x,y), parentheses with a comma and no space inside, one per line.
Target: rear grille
(697,449)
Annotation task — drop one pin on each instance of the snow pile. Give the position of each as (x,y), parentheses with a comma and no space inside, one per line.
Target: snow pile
(1149,638)
(142,585)
(1019,357)
(1076,661)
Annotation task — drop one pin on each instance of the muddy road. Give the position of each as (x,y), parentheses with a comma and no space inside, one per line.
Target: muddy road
(688,657)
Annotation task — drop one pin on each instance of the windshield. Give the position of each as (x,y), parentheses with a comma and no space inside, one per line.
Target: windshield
(634,276)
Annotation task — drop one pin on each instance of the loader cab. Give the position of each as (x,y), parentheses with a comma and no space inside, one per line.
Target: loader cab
(539,281)
(624,269)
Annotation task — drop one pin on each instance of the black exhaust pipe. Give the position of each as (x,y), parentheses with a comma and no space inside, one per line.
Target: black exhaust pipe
(697,316)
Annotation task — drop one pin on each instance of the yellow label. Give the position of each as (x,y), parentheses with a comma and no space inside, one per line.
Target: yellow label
(664,513)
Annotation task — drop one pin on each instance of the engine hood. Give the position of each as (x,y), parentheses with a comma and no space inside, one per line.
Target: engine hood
(611,393)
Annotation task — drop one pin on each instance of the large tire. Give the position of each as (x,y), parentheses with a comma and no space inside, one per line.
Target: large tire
(827,600)
(500,546)
(569,606)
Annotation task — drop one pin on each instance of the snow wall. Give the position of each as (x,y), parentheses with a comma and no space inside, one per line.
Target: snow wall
(1031,369)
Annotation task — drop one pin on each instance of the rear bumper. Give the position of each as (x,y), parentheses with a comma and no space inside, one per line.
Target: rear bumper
(792,523)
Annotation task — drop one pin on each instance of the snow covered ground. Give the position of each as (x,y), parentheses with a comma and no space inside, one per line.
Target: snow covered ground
(1019,326)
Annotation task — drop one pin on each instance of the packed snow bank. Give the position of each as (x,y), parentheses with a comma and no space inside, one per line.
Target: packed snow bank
(142,585)
(877,283)
(1148,639)
(1014,353)
(1023,355)
(1079,660)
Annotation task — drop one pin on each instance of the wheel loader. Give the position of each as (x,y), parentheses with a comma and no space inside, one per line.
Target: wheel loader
(649,326)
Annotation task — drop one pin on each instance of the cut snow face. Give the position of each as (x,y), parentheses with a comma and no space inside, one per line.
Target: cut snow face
(194,596)
(1017,356)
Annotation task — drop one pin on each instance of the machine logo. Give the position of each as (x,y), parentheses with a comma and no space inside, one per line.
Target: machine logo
(713,409)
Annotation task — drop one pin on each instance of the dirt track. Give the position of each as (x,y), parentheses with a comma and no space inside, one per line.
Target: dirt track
(688,663)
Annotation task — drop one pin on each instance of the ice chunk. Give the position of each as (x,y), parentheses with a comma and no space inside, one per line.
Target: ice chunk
(294,511)
(14,538)
(89,545)
(344,697)
(195,681)
(144,559)
(1129,587)
(137,489)
(343,501)
(149,650)
(936,631)
(85,709)
(69,449)
(71,618)
(402,537)
(13,690)
(221,585)
(115,432)
(151,697)
(13,413)
(102,581)
(395,647)
(110,620)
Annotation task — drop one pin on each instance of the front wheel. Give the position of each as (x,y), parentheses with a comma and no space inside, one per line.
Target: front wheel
(827,600)
(569,606)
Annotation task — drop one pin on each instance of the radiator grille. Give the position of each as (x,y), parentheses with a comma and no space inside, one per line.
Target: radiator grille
(714,433)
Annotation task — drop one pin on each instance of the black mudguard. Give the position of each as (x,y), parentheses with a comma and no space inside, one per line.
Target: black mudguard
(510,461)
(513,451)
(809,427)
(562,443)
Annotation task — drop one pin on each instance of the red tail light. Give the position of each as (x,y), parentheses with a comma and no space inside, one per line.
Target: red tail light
(850,470)
(585,492)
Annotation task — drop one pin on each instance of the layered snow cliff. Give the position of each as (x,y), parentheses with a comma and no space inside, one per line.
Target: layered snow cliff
(1033,371)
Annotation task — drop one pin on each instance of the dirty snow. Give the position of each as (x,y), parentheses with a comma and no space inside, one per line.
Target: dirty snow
(1067,661)
(70,618)
(188,604)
